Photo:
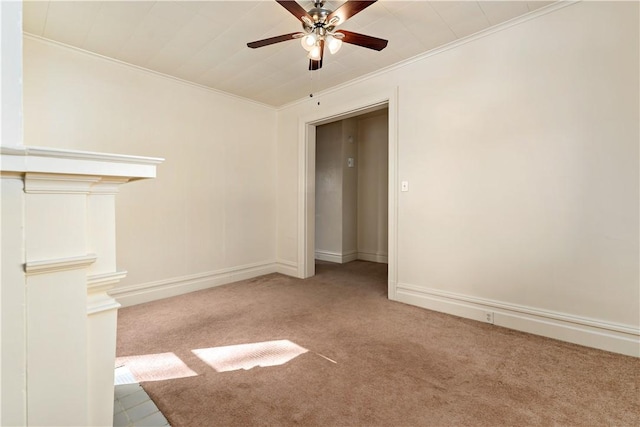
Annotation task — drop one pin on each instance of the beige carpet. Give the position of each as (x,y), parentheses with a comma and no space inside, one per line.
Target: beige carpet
(333,351)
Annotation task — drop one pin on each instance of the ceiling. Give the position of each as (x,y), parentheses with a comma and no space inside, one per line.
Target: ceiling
(204,42)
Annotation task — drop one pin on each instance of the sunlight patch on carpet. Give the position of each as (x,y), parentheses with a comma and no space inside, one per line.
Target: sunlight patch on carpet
(123,375)
(156,367)
(247,356)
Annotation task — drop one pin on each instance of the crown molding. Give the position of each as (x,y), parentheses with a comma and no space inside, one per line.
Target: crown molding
(45,40)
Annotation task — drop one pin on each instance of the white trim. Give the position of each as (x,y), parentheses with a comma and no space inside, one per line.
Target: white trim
(59,153)
(98,300)
(349,256)
(444,48)
(306,176)
(48,161)
(288,268)
(12,175)
(306,198)
(373,257)
(100,303)
(340,258)
(145,70)
(104,282)
(595,333)
(145,292)
(108,186)
(59,264)
(328,256)
(41,183)
(393,202)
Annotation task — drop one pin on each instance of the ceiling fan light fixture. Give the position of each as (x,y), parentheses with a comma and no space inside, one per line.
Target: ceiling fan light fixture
(315,53)
(319,28)
(307,21)
(308,41)
(334,44)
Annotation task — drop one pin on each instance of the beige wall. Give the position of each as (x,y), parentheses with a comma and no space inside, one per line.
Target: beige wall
(211,211)
(350,187)
(329,189)
(336,196)
(373,176)
(521,152)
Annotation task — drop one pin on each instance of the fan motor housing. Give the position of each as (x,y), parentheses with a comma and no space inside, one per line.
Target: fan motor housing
(319,13)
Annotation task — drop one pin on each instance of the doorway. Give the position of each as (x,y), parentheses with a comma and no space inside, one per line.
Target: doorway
(306,183)
(351,194)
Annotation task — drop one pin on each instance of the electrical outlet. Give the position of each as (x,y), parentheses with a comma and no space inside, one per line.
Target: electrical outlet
(488,316)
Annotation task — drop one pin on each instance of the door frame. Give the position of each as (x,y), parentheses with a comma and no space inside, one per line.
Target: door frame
(307,178)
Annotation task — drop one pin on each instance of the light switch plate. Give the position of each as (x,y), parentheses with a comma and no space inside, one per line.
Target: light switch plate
(404,186)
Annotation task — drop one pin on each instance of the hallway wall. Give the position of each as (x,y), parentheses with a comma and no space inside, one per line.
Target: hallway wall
(373,182)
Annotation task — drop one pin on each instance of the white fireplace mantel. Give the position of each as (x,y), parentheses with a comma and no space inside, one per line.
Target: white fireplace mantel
(57,319)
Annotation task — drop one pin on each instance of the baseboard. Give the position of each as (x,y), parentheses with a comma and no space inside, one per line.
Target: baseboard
(141,293)
(336,257)
(373,257)
(288,268)
(616,338)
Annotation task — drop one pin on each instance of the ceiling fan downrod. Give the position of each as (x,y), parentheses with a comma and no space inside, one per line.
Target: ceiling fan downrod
(318,17)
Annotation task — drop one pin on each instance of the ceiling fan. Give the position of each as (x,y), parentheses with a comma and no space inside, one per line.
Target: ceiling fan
(319,26)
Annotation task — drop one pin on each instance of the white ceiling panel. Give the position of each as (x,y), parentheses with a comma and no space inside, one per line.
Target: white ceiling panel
(35,16)
(500,11)
(70,22)
(288,52)
(533,5)
(374,13)
(420,15)
(205,41)
(463,17)
(214,53)
(227,11)
(163,22)
(186,43)
(115,23)
(425,25)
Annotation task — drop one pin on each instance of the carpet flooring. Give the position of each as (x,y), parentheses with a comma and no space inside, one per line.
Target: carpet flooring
(334,351)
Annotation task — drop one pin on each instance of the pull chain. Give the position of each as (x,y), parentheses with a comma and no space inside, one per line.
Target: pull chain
(314,83)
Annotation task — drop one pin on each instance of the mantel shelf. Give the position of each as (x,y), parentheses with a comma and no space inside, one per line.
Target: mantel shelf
(72,162)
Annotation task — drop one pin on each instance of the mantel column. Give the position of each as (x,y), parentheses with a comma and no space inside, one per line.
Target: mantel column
(102,309)
(56,269)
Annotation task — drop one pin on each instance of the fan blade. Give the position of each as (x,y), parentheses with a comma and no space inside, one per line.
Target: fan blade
(295,9)
(363,40)
(273,40)
(316,65)
(349,9)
